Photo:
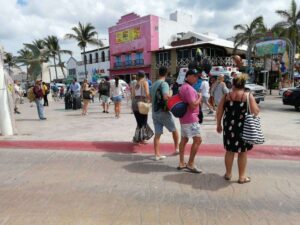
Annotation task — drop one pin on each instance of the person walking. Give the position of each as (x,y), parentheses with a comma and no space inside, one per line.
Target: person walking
(87,92)
(38,92)
(45,93)
(61,92)
(190,127)
(219,90)
(116,93)
(141,94)
(104,90)
(205,93)
(17,96)
(160,116)
(232,110)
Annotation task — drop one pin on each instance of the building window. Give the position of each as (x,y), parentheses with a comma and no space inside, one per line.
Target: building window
(72,72)
(139,58)
(118,62)
(103,56)
(163,57)
(97,60)
(128,60)
(183,54)
(91,59)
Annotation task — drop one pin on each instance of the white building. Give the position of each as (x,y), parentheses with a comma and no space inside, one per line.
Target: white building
(97,63)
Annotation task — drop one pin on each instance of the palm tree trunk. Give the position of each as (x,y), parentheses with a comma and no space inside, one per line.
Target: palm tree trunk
(84,61)
(61,66)
(55,67)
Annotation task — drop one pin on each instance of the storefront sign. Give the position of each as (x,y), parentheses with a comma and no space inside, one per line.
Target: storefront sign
(128,35)
(272,47)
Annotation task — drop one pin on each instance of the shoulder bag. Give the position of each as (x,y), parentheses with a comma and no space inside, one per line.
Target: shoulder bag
(252,132)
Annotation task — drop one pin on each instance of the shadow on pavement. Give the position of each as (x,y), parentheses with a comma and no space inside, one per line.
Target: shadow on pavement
(205,181)
(148,167)
(24,120)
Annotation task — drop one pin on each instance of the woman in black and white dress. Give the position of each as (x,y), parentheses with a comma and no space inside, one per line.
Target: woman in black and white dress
(233,108)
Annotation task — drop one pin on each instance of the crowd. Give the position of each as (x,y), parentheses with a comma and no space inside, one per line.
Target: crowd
(228,105)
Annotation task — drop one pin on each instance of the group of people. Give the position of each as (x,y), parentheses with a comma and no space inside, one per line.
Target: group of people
(230,105)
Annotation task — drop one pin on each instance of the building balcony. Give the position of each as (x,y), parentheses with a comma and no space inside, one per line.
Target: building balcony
(129,63)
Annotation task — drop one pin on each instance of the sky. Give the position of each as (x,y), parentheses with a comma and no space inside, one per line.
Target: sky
(22,21)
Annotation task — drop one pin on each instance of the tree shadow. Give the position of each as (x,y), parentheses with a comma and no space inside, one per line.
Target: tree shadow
(204,181)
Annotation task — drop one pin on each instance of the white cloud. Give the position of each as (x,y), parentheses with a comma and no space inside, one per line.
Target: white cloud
(38,19)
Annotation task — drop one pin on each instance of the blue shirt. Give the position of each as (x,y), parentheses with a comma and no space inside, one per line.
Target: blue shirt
(75,88)
(197,85)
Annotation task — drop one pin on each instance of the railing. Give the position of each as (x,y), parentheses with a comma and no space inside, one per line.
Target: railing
(80,63)
(129,63)
(165,63)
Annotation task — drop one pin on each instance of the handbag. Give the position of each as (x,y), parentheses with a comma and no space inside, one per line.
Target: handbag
(252,133)
(86,95)
(144,107)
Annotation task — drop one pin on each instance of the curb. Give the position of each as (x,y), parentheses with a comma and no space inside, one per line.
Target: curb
(259,151)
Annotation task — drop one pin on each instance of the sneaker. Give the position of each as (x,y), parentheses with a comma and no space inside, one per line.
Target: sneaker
(177,150)
(106,111)
(210,112)
(157,158)
(103,111)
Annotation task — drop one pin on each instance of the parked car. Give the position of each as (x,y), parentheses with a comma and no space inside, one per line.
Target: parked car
(281,91)
(259,92)
(125,86)
(292,97)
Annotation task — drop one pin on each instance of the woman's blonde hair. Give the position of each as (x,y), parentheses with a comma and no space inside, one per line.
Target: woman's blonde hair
(240,80)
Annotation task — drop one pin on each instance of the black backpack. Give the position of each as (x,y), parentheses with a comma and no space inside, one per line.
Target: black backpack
(104,88)
(160,103)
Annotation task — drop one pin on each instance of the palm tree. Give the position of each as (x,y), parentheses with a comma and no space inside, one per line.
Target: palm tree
(26,55)
(10,60)
(39,43)
(52,44)
(35,62)
(248,35)
(84,34)
(290,26)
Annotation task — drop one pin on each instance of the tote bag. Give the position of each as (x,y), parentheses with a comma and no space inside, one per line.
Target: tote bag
(252,132)
(144,107)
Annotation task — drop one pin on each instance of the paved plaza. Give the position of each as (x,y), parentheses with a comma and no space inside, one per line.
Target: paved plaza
(109,183)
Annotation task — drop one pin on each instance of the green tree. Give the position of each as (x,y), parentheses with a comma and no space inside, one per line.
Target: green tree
(249,34)
(35,62)
(26,55)
(84,34)
(10,60)
(290,26)
(52,43)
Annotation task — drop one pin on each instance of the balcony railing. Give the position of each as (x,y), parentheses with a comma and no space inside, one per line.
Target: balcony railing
(80,63)
(129,63)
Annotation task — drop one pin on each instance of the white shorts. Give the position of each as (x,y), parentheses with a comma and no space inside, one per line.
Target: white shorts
(190,130)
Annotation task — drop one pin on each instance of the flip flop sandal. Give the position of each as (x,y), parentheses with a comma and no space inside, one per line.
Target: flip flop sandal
(193,170)
(227,177)
(246,180)
(181,167)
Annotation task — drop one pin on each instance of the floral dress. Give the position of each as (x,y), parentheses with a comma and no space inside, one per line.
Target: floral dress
(233,123)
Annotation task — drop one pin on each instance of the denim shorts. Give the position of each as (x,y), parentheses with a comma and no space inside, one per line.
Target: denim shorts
(117,98)
(190,130)
(163,119)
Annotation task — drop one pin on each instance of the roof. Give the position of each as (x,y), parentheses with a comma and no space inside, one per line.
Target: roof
(206,39)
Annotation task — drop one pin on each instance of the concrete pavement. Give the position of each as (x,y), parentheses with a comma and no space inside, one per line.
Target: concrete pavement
(92,175)
(88,188)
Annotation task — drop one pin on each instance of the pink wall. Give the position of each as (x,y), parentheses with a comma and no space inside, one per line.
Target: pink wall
(148,41)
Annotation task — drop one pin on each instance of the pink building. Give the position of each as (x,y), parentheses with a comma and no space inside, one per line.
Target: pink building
(133,38)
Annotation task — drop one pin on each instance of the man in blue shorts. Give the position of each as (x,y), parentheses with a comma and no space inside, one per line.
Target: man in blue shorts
(160,115)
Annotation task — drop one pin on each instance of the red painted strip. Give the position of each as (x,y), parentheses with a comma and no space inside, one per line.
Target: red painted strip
(259,151)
